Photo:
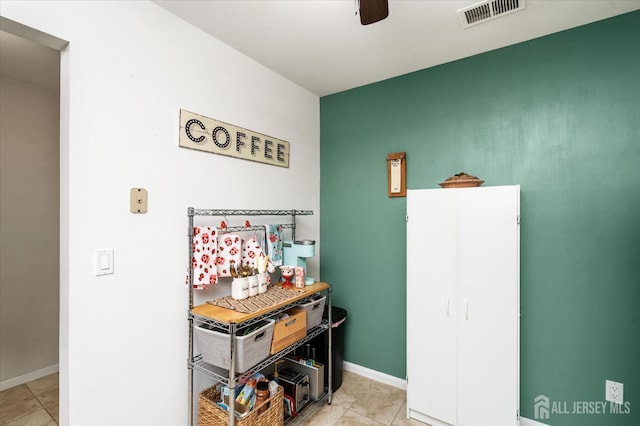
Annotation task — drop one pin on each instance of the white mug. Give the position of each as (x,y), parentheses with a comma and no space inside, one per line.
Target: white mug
(262,283)
(253,285)
(240,288)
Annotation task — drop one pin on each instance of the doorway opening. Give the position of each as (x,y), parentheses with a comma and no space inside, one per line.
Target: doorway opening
(32,324)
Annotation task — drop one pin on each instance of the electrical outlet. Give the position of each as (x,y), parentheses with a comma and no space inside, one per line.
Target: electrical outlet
(614,392)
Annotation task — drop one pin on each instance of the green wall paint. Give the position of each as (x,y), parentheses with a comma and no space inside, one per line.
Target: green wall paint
(559,115)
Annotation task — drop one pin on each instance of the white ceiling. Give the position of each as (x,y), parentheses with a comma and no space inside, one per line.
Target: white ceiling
(321,45)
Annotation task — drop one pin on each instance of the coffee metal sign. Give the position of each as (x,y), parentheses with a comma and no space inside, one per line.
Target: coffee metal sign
(206,134)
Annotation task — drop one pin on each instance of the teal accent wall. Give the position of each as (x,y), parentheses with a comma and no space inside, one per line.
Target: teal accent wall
(559,115)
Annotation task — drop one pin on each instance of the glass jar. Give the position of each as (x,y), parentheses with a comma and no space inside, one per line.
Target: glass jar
(262,394)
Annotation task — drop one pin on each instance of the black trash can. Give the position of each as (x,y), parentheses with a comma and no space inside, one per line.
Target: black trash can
(319,347)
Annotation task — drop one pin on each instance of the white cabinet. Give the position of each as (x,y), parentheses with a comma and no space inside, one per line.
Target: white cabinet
(463,303)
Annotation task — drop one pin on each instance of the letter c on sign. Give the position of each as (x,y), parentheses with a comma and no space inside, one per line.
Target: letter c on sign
(187,129)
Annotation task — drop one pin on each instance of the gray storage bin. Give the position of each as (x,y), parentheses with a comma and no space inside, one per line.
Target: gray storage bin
(314,310)
(251,348)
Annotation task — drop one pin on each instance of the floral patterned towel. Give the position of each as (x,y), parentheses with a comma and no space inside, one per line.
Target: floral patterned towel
(250,251)
(205,243)
(229,251)
(274,244)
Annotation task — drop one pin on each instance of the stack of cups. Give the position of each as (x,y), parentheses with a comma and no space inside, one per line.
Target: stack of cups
(299,271)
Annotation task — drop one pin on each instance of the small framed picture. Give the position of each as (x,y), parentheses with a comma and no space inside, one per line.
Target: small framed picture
(397,174)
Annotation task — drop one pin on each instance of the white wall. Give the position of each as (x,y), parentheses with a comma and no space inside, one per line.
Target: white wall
(29,206)
(128,69)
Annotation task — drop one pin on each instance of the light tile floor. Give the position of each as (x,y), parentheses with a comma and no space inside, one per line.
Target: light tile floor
(359,401)
(31,404)
(362,401)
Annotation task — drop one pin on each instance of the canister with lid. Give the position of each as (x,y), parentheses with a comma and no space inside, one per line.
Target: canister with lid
(262,394)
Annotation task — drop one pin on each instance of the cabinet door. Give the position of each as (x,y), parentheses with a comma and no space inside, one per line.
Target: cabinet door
(431,304)
(489,296)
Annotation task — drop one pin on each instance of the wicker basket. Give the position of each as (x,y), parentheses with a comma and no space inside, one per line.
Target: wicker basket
(461,180)
(210,414)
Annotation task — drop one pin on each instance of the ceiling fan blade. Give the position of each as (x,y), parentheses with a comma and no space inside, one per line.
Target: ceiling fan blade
(373,11)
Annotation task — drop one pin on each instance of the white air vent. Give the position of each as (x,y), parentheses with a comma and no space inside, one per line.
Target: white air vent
(487,10)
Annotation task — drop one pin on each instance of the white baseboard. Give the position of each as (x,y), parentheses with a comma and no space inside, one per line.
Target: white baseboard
(375,375)
(25,378)
(528,422)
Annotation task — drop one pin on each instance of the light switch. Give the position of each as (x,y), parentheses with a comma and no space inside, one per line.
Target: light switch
(138,200)
(104,262)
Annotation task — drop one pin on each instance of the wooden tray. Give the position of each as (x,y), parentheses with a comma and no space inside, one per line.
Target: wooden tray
(229,316)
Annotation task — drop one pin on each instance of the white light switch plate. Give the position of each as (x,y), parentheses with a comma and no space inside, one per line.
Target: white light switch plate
(104,262)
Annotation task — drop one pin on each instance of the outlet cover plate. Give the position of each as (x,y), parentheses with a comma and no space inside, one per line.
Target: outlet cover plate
(614,392)
(138,200)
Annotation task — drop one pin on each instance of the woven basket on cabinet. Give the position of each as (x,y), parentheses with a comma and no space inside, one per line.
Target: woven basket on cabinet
(210,414)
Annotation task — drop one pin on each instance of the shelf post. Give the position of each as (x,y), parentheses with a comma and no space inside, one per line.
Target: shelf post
(330,354)
(232,374)
(293,226)
(190,322)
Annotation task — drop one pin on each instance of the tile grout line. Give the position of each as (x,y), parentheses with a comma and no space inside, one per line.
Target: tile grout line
(41,404)
(395,416)
(45,408)
(26,413)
